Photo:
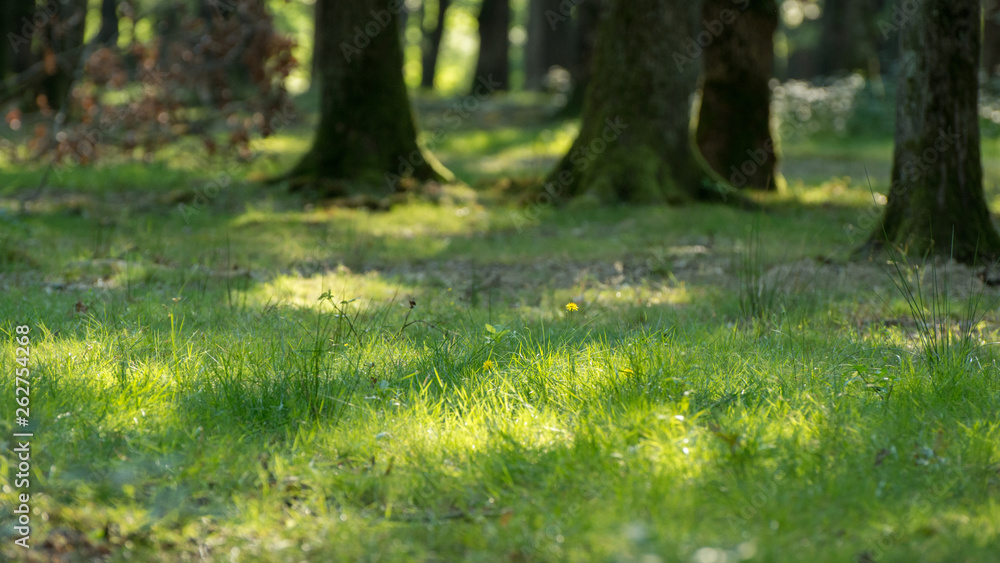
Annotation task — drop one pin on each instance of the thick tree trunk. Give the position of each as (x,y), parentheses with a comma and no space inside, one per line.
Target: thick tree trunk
(550,41)
(366,137)
(734,132)
(847,38)
(635,142)
(493,63)
(991,37)
(936,200)
(432,46)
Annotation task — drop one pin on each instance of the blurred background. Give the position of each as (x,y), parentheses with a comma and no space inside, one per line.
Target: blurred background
(97,81)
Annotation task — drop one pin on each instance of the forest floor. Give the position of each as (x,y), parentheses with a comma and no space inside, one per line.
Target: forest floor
(237,374)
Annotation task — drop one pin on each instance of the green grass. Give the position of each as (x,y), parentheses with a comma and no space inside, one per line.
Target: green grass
(194,398)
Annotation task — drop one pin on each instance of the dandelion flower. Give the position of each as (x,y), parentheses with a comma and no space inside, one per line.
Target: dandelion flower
(572,307)
(487,365)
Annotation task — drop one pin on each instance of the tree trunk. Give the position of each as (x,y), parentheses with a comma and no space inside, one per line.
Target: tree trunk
(17,34)
(108,34)
(65,34)
(635,143)
(991,37)
(550,41)
(366,137)
(846,41)
(936,200)
(432,46)
(734,131)
(588,18)
(494,25)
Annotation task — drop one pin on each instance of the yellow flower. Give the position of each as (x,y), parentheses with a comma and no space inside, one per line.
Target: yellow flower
(487,365)
(628,371)
(572,307)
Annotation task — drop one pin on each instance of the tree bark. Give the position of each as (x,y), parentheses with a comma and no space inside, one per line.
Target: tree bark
(550,41)
(936,202)
(734,131)
(432,47)
(634,142)
(991,37)
(366,138)
(492,63)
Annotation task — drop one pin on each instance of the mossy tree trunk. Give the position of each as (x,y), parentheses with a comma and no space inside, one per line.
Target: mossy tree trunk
(635,141)
(493,64)
(734,132)
(366,138)
(431,46)
(936,202)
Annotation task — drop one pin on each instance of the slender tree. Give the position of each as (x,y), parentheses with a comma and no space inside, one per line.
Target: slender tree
(494,26)
(432,46)
(847,38)
(635,142)
(936,200)
(64,36)
(366,136)
(108,34)
(16,55)
(585,26)
(734,132)
(550,42)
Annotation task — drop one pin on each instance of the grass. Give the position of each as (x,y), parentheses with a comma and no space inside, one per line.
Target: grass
(270,379)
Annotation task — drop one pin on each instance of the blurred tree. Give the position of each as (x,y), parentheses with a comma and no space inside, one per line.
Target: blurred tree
(42,50)
(847,41)
(108,34)
(493,63)
(586,18)
(550,42)
(991,37)
(62,49)
(432,45)
(734,131)
(635,139)
(366,133)
(936,201)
